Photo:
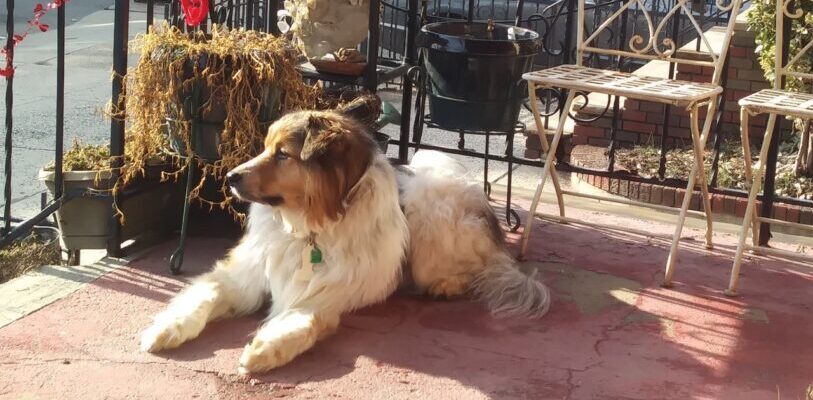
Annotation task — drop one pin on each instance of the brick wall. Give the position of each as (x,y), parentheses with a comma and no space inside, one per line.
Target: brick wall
(673,197)
(640,121)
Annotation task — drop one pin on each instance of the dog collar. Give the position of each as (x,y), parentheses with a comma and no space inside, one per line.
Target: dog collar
(315,253)
(311,256)
(313,250)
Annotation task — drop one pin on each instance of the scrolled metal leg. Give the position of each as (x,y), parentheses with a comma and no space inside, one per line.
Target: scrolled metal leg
(701,172)
(420,105)
(176,260)
(486,183)
(509,211)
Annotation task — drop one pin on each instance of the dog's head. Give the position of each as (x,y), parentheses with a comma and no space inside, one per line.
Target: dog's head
(311,163)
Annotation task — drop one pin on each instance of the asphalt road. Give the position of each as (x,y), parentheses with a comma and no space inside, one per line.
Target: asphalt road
(75,10)
(87,89)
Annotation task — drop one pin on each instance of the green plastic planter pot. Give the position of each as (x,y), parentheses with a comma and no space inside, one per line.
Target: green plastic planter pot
(207,136)
(197,102)
(84,221)
(475,73)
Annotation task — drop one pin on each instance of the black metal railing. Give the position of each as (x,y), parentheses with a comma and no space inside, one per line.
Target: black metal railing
(11,233)
(556,22)
(7,219)
(259,15)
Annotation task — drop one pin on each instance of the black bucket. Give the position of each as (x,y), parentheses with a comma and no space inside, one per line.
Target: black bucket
(475,73)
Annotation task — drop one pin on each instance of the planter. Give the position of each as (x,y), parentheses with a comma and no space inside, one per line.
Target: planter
(84,220)
(209,115)
(475,73)
(207,98)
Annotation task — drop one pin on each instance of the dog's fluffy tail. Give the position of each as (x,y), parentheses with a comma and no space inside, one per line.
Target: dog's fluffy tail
(510,292)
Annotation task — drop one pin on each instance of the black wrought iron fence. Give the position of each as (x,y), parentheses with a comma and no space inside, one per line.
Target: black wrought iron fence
(259,15)
(11,232)
(555,21)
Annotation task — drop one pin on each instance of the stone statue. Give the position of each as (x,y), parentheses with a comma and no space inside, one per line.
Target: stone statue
(322,27)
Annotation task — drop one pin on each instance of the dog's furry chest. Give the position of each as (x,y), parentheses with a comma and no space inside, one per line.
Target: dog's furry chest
(361,257)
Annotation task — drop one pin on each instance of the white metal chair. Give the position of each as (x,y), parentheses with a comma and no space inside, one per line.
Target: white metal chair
(774,102)
(691,95)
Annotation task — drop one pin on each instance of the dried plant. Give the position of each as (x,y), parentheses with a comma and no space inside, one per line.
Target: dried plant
(236,69)
(84,157)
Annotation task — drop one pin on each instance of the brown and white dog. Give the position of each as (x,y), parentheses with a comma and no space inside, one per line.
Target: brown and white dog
(327,235)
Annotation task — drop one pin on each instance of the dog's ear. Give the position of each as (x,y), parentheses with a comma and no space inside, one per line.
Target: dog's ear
(338,153)
(319,133)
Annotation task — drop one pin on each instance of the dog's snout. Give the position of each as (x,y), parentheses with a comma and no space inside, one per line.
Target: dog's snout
(233,178)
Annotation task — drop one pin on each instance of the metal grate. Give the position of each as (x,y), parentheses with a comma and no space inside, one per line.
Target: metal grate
(780,102)
(624,84)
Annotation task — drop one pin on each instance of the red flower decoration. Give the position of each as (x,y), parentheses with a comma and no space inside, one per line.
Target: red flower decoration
(39,11)
(195,11)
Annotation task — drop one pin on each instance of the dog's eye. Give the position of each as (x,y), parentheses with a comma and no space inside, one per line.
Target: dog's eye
(281,155)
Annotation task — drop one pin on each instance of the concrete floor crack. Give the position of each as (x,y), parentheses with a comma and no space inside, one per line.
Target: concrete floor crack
(571,375)
(459,346)
(69,360)
(607,330)
(38,361)
(570,385)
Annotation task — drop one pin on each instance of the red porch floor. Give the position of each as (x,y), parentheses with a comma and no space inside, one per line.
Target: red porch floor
(612,333)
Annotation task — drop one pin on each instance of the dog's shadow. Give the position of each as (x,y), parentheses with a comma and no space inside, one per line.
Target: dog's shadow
(408,335)
(228,335)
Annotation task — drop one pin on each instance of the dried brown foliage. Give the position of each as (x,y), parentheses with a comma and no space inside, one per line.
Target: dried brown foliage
(234,70)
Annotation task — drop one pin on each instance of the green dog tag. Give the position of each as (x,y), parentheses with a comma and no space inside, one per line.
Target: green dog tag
(316,255)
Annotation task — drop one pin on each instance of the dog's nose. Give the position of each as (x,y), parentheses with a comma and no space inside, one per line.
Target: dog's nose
(232,179)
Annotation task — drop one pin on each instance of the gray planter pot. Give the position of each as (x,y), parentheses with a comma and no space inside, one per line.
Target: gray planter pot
(84,221)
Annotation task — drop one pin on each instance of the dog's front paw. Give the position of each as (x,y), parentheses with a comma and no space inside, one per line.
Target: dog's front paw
(167,334)
(159,337)
(260,356)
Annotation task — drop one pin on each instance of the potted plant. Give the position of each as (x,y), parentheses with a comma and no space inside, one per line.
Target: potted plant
(84,219)
(207,99)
